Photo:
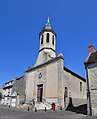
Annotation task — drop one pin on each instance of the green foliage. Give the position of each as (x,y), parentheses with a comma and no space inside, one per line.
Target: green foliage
(0,96)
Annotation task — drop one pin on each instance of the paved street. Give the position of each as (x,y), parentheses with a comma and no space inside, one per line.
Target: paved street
(9,113)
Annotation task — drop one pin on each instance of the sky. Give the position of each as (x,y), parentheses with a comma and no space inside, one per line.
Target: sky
(21,21)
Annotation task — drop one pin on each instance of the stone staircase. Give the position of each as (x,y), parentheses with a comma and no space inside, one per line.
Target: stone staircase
(27,104)
(38,105)
(42,105)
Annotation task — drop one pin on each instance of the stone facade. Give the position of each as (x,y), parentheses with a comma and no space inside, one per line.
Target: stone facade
(76,87)
(18,92)
(55,77)
(91,72)
(51,75)
(92,75)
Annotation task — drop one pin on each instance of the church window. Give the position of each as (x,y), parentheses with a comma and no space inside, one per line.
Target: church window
(42,39)
(66,90)
(53,40)
(47,38)
(80,86)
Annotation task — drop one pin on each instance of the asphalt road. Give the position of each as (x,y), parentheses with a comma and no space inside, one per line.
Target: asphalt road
(13,113)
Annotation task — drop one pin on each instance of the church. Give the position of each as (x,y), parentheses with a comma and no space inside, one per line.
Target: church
(49,81)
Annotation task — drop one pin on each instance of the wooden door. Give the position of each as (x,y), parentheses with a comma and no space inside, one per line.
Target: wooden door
(39,93)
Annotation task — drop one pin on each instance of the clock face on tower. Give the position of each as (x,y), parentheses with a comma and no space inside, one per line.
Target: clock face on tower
(40,76)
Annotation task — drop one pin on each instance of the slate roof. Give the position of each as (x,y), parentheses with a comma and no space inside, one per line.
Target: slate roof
(19,78)
(48,24)
(92,58)
(9,82)
(47,27)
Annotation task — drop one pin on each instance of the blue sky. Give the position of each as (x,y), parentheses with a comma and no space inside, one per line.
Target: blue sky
(74,21)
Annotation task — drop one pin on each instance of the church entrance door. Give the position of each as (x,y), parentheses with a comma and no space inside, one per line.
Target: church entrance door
(39,92)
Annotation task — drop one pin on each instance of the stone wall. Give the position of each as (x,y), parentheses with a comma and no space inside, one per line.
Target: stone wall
(54,79)
(19,89)
(51,77)
(72,83)
(92,73)
(19,86)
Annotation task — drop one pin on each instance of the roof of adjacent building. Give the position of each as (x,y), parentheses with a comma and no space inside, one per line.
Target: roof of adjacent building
(92,58)
(19,78)
(16,78)
(9,86)
(9,82)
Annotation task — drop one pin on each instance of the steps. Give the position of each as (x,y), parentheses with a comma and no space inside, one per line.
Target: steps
(41,106)
(27,104)
(38,105)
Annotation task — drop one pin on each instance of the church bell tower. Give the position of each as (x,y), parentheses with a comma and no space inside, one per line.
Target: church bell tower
(47,49)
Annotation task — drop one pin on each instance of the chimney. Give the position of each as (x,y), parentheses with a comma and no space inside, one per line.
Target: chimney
(91,49)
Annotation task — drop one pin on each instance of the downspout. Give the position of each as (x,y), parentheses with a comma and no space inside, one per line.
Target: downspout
(88,91)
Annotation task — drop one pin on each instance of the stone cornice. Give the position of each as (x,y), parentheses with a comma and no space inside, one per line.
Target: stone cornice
(47,48)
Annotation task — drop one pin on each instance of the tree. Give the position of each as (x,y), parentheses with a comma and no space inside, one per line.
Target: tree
(0,96)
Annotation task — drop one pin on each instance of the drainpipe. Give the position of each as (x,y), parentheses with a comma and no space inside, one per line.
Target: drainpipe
(88,91)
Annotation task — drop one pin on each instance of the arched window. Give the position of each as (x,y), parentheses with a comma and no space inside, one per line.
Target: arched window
(42,39)
(80,86)
(66,92)
(53,40)
(47,38)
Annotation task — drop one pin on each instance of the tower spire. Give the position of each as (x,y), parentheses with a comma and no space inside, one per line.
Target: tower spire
(47,25)
(48,21)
